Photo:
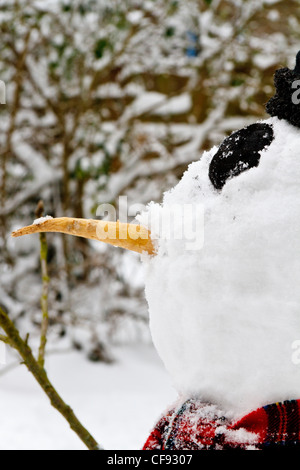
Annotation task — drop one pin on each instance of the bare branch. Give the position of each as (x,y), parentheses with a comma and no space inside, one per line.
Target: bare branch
(40,375)
(45,289)
(4,339)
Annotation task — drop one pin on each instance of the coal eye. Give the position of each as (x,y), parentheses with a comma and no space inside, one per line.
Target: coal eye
(239,152)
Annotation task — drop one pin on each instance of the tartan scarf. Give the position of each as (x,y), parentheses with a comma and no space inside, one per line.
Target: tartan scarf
(199,426)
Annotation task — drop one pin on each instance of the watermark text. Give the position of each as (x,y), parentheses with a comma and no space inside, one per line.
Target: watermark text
(296,353)
(170,222)
(296,94)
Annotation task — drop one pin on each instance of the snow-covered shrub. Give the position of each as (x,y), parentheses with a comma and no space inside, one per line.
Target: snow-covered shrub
(116,98)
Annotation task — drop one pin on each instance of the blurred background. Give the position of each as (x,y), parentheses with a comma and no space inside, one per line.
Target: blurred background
(116,98)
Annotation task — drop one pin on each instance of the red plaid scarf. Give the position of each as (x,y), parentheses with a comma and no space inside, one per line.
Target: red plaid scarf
(196,426)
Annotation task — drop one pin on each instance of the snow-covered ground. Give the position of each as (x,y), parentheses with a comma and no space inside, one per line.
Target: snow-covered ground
(117,403)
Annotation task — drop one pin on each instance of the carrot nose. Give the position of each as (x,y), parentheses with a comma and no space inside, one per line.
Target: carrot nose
(128,236)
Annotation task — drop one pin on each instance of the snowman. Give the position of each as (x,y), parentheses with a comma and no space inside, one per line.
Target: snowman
(225,312)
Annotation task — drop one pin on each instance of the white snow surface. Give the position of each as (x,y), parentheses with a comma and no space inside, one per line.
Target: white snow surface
(223,318)
(41,220)
(118,403)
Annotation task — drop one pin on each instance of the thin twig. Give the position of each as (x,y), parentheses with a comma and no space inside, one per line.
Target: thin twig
(45,289)
(4,339)
(40,375)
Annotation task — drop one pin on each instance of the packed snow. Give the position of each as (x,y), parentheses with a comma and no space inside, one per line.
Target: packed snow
(224,317)
(41,220)
(118,403)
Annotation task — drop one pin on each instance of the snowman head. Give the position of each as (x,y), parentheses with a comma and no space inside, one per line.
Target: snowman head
(224,319)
